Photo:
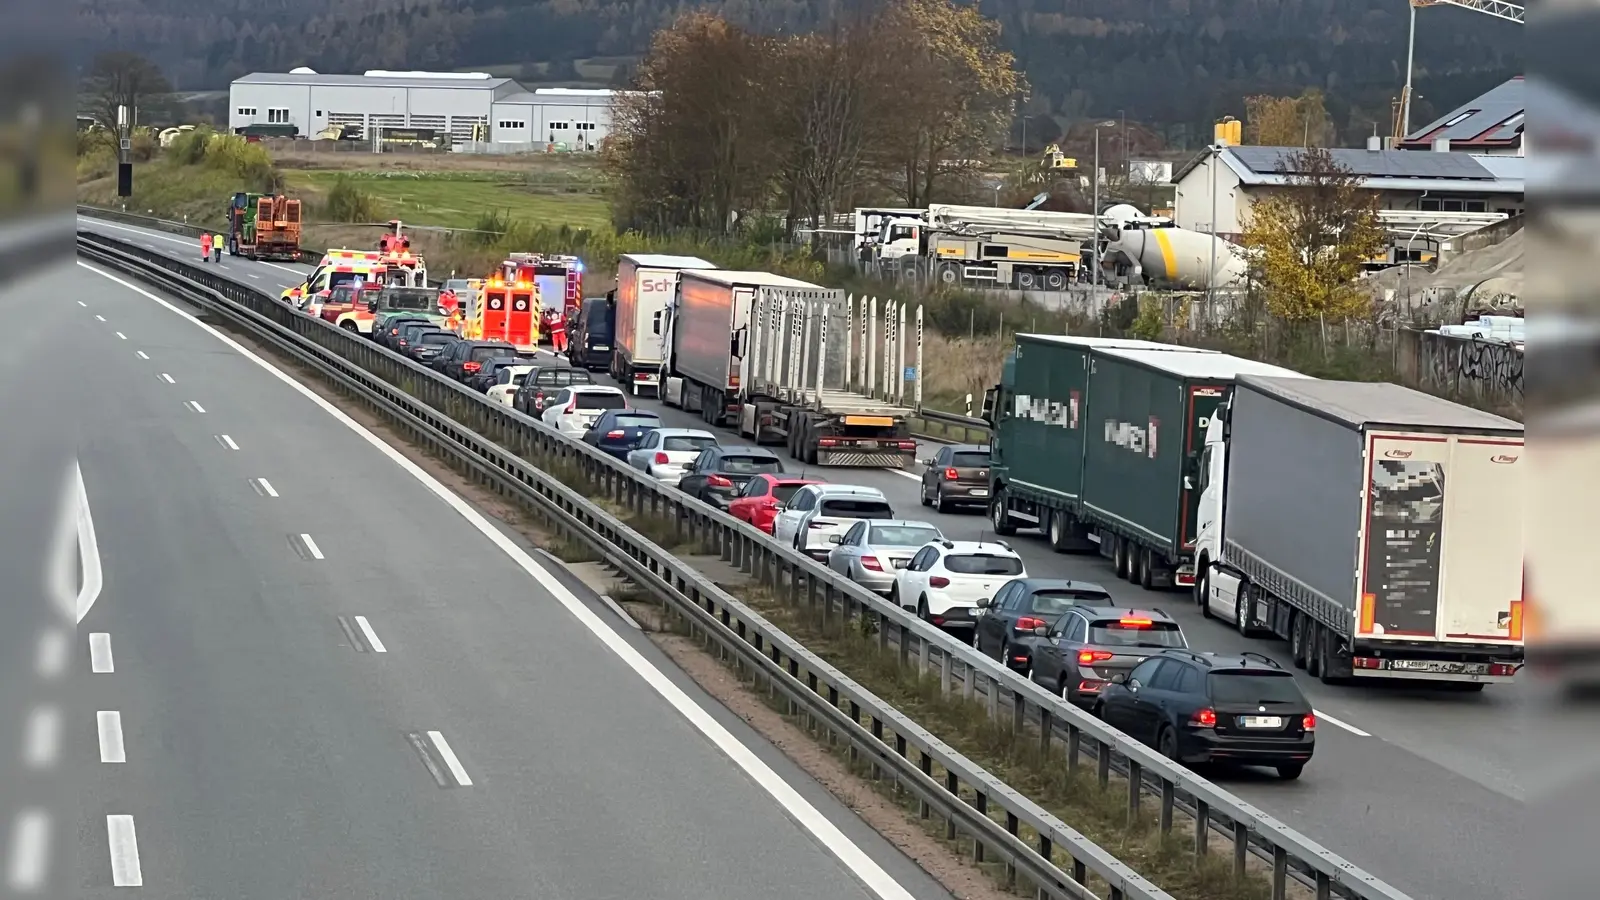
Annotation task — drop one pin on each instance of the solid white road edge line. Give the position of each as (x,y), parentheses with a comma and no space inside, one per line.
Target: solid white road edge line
(622,614)
(100,659)
(311,547)
(109,724)
(124,843)
(457,771)
(801,810)
(42,738)
(371,636)
(30,851)
(1322,716)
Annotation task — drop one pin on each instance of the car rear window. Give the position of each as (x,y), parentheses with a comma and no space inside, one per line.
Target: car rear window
(484,354)
(901,536)
(419,299)
(856,508)
(982,564)
(600,400)
(751,465)
(782,492)
(1114,633)
(517,378)
(438,337)
(1058,601)
(1254,687)
(688,442)
(640,421)
(971,459)
(564,377)
(337,278)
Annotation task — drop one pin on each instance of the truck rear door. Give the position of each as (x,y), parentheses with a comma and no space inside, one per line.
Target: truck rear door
(1442,543)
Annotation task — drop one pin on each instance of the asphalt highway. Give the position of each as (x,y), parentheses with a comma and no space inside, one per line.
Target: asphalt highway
(1418,786)
(310,670)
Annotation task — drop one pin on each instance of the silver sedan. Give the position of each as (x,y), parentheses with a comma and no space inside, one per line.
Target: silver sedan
(872,551)
(663,452)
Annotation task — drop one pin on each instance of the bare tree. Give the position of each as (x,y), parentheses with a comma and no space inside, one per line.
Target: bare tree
(116,79)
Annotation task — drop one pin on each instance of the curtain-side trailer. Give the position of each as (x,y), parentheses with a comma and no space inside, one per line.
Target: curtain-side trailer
(801,387)
(1378,529)
(707,339)
(646,283)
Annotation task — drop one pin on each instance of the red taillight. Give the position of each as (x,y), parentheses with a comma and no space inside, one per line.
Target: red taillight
(661,459)
(1309,723)
(951,474)
(615,434)
(572,407)
(470,366)
(871,563)
(1029,623)
(1205,718)
(908,445)
(641,376)
(827,442)
(938,581)
(1090,657)
(718,481)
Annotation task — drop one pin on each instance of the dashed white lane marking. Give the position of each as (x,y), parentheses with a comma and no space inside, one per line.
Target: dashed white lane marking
(122,336)
(52,654)
(226,441)
(30,851)
(194,405)
(311,547)
(1339,724)
(100,660)
(265,487)
(170,380)
(622,614)
(457,771)
(371,636)
(124,842)
(92,576)
(100,317)
(295,272)
(142,354)
(252,275)
(191,242)
(41,740)
(109,724)
(83,304)
(861,864)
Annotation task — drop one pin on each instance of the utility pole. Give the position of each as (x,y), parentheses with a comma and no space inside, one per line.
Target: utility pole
(1211,274)
(1094,269)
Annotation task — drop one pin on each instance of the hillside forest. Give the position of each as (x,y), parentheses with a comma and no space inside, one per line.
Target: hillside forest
(1175,65)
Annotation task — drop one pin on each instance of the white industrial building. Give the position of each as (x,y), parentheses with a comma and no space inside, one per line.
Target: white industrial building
(1406,180)
(470,106)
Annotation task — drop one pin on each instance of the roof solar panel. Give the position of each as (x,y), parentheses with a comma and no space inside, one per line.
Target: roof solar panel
(1369,163)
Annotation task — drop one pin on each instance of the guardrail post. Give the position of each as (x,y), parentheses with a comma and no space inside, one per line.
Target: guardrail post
(1241,847)
(980,802)
(1135,789)
(1202,827)
(1280,873)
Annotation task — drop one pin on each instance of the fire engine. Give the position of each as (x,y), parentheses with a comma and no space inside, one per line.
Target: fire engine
(558,278)
(505,312)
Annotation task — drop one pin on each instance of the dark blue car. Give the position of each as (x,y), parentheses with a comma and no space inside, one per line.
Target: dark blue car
(619,430)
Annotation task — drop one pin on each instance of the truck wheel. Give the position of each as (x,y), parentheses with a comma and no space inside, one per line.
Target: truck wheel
(949,275)
(1314,649)
(1297,640)
(1241,610)
(1147,565)
(999,517)
(1119,556)
(1134,559)
(1202,589)
(1058,531)
(1027,280)
(1055,280)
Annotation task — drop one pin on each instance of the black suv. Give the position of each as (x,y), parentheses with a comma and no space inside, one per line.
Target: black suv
(543,383)
(462,360)
(1193,707)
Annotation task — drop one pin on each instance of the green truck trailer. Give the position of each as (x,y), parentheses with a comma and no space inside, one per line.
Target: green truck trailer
(1096,442)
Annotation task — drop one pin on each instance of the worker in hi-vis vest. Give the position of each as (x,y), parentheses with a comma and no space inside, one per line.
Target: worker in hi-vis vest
(205,246)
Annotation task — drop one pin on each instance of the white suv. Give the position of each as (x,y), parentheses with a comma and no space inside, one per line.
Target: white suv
(818,512)
(945,581)
(576,408)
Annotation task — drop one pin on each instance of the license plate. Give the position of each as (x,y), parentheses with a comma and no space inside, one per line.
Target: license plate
(1260,722)
(980,492)
(1445,668)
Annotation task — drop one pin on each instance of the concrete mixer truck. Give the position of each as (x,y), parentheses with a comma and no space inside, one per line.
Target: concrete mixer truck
(1153,251)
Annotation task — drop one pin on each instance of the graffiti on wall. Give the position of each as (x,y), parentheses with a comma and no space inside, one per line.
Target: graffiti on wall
(1471,367)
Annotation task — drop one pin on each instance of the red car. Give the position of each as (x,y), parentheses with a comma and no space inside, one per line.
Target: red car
(762,496)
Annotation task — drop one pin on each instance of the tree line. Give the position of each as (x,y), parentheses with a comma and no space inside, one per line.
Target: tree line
(896,105)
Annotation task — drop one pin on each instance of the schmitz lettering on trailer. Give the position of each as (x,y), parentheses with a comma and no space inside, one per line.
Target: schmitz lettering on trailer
(1050,412)
(655,285)
(1138,439)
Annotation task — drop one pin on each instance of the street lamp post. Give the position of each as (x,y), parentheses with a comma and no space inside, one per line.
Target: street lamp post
(1211,273)
(1094,269)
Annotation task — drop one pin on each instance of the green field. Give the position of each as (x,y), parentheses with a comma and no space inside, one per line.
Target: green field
(460,199)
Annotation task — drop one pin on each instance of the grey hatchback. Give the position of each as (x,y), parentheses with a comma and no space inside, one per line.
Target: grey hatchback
(1078,655)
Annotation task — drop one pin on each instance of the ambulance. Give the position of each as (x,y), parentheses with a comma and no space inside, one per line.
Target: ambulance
(337,267)
(505,312)
(558,278)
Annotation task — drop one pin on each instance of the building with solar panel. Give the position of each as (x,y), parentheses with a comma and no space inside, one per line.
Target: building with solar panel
(1488,125)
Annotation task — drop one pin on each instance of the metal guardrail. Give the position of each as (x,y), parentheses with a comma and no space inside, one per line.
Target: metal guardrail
(913,758)
(1033,712)
(932,424)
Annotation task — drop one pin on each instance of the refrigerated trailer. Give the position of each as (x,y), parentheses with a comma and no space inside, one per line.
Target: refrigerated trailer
(646,283)
(1095,441)
(1378,529)
(799,386)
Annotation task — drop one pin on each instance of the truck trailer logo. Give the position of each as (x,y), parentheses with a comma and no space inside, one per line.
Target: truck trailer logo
(1397,454)
(1504,459)
(1049,412)
(656,285)
(1142,441)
